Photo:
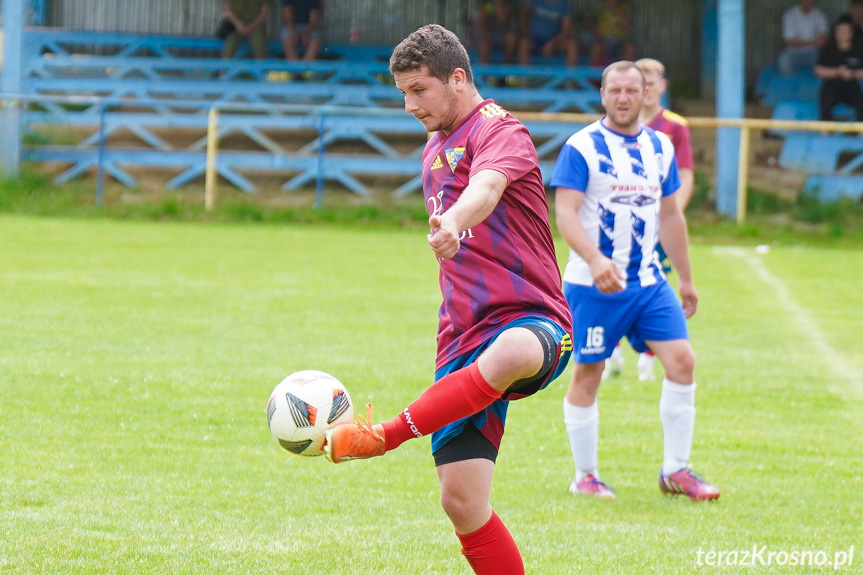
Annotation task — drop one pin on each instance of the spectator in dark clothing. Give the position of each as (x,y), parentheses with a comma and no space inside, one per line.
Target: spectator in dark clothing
(855,16)
(301,22)
(840,66)
(496,28)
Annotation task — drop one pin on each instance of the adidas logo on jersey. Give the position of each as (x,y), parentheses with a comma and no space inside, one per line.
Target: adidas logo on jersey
(437,164)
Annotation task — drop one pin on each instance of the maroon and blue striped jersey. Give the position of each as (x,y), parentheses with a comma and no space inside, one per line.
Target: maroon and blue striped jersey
(505,267)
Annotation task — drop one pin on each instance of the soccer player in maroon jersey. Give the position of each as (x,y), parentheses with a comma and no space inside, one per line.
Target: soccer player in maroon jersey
(654,116)
(505,328)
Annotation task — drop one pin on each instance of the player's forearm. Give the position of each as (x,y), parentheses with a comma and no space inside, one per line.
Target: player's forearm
(232,16)
(576,237)
(687,184)
(478,200)
(796,43)
(261,19)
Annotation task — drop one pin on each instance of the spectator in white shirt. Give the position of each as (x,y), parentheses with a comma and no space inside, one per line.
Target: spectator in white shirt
(805,30)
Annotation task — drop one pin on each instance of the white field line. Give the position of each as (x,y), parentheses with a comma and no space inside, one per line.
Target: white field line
(832,357)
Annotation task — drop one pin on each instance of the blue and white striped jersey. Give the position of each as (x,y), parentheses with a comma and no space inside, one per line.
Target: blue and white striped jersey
(623,178)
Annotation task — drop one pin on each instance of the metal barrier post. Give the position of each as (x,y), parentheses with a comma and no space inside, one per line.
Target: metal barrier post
(211,175)
(319,183)
(10,83)
(100,156)
(743,173)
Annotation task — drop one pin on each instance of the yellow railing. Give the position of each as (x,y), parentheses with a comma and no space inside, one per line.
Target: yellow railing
(746,125)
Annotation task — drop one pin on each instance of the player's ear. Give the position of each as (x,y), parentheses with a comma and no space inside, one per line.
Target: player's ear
(458,77)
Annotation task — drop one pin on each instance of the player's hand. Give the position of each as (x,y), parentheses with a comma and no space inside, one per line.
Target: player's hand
(688,297)
(606,275)
(443,237)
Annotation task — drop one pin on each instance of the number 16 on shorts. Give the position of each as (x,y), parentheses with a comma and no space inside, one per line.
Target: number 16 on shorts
(595,342)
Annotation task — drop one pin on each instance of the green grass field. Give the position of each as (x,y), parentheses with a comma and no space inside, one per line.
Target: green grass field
(136,360)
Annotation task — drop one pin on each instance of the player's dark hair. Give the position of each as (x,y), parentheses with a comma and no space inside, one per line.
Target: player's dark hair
(622,66)
(435,47)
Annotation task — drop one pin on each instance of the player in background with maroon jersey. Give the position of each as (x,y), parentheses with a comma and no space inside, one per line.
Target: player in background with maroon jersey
(505,328)
(653,115)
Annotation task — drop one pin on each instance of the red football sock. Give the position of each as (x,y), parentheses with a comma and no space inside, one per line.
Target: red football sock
(491,550)
(649,352)
(456,395)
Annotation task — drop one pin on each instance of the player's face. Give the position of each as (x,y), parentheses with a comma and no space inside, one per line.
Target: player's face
(655,87)
(430,101)
(622,98)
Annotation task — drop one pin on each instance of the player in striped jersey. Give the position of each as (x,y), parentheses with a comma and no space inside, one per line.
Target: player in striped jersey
(654,116)
(615,183)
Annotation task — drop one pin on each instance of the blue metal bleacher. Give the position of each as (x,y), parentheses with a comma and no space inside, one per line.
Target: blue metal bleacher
(103,87)
(831,161)
(321,126)
(832,187)
(765,76)
(819,156)
(818,153)
(795,110)
(801,87)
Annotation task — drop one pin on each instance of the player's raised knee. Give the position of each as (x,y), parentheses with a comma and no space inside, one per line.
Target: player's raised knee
(517,353)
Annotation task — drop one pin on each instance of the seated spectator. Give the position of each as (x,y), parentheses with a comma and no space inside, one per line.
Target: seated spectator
(629,51)
(585,28)
(495,27)
(301,22)
(804,29)
(547,26)
(249,18)
(598,56)
(855,16)
(614,26)
(840,66)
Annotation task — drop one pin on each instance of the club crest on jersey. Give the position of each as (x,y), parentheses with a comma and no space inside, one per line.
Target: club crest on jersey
(453,155)
(637,200)
(437,164)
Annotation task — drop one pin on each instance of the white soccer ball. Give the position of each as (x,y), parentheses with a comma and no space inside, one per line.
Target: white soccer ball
(303,406)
